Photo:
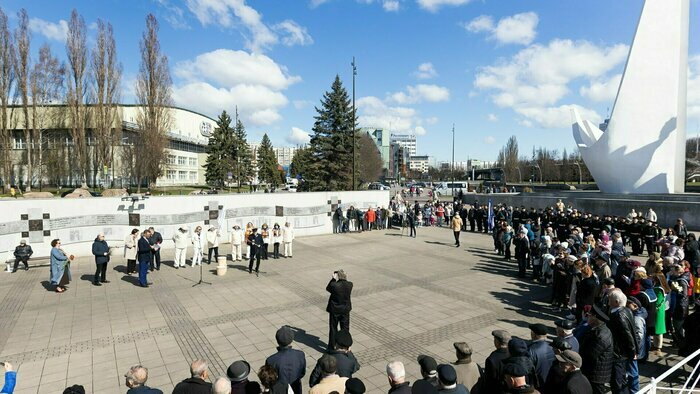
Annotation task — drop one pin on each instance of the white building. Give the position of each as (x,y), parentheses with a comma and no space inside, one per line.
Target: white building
(419,163)
(406,141)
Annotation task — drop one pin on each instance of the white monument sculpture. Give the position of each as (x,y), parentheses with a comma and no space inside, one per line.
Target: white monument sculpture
(643,148)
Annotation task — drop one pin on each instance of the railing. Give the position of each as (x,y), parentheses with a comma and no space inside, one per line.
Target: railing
(695,376)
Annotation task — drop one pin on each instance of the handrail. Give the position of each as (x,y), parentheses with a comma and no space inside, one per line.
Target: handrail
(651,387)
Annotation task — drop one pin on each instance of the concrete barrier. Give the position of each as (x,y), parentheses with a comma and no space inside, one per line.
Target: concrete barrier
(78,221)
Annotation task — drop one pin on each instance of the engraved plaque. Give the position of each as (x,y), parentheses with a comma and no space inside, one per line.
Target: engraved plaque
(25,234)
(213,215)
(134,219)
(279,210)
(24,216)
(36,225)
(47,216)
(47,233)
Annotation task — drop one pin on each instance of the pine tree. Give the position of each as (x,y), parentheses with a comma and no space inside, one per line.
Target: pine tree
(267,163)
(243,157)
(332,141)
(301,167)
(219,152)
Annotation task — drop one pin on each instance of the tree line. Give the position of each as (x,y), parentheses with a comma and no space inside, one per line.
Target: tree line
(43,93)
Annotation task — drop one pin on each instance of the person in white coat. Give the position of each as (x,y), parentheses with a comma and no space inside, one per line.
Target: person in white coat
(236,239)
(130,243)
(287,238)
(181,241)
(198,243)
(213,242)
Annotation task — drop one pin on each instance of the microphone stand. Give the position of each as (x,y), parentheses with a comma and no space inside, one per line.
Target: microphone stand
(201,270)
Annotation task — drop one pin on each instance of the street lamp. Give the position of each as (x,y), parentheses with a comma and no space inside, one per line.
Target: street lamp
(453,162)
(520,175)
(354,142)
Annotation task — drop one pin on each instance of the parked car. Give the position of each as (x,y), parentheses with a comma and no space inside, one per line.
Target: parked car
(377,186)
(446,188)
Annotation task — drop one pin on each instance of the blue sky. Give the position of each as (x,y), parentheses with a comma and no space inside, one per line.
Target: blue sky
(494,68)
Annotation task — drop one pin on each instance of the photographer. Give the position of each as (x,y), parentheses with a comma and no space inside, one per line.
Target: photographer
(339,305)
(10,379)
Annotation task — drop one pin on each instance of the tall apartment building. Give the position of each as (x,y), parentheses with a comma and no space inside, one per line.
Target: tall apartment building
(407,141)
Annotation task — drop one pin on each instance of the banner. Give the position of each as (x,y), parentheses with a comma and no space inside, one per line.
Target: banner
(490,213)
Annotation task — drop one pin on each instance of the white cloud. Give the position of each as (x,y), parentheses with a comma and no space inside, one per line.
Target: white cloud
(230,13)
(602,91)
(298,136)
(435,5)
(492,118)
(480,24)
(224,79)
(316,3)
(535,79)
(52,31)
(516,29)
(425,71)
(558,117)
(421,92)
(374,112)
(390,5)
(293,33)
(174,15)
(228,67)
(489,140)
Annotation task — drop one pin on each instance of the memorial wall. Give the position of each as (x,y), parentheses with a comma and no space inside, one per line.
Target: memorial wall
(78,221)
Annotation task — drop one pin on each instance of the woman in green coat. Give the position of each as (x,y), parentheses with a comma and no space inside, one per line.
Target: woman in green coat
(660,288)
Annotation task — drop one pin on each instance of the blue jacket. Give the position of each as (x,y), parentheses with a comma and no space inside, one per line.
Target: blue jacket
(99,248)
(58,266)
(10,382)
(290,365)
(542,355)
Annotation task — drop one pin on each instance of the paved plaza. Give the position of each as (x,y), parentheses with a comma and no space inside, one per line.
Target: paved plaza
(411,296)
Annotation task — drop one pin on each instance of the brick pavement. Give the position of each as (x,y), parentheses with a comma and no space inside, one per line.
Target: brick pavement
(411,296)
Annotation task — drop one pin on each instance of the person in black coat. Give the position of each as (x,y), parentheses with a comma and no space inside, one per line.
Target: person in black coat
(574,381)
(625,346)
(522,248)
(289,363)
(597,350)
(490,381)
(255,241)
(155,240)
(346,362)
(339,305)
(145,257)
(22,253)
(100,250)
(518,351)
(197,384)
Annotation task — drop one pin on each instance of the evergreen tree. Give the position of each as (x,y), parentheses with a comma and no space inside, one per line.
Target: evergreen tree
(332,141)
(219,152)
(267,163)
(301,166)
(243,158)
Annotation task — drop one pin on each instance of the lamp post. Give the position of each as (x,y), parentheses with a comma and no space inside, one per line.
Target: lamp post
(354,142)
(578,165)
(520,175)
(452,168)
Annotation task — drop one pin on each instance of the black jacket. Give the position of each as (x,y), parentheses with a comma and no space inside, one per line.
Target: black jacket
(542,355)
(144,250)
(193,386)
(144,390)
(522,247)
(597,354)
(622,328)
(23,251)
(290,365)
(403,388)
(339,301)
(575,383)
(492,370)
(99,248)
(346,363)
(156,238)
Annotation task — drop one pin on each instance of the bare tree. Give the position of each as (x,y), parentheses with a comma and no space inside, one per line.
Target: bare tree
(46,85)
(7,78)
(23,41)
(154,95)
(106,78)
(76,51)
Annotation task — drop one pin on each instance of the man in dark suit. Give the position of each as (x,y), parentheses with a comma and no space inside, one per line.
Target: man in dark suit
(339,305)
(155,240)
(289,363)
(255,240)
(145,256)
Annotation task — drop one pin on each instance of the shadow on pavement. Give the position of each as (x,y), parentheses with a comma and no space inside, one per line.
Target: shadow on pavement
(312,341)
